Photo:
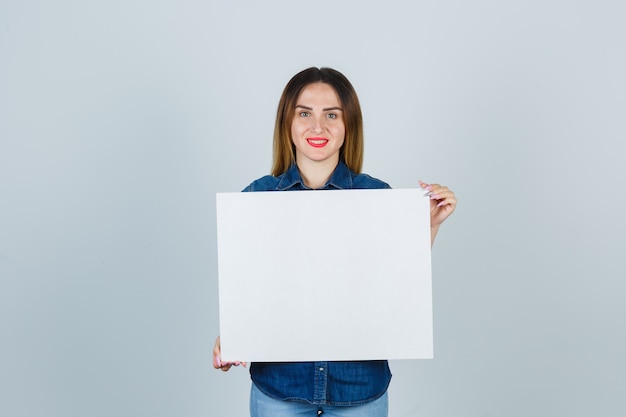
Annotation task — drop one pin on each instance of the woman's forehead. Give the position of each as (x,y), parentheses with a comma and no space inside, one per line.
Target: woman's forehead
(318,92)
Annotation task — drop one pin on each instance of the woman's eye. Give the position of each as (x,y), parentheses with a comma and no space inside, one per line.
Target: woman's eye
(304,114)
(331,115)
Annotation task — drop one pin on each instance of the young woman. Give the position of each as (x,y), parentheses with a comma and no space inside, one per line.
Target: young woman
(318,145)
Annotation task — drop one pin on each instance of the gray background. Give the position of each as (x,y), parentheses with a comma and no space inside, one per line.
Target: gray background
(120,120)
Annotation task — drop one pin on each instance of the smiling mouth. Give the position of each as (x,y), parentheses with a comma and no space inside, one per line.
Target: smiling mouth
(317,142)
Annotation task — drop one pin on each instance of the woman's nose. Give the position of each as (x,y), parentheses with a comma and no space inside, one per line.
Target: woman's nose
(317,125)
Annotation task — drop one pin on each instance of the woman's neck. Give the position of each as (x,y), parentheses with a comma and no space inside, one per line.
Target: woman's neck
(316,174)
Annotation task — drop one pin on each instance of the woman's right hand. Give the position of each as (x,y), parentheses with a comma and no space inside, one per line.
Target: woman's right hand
(217,359)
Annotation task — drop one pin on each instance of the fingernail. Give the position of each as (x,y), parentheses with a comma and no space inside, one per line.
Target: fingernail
(218,361)
(441,203)
(429,188)
(434,196)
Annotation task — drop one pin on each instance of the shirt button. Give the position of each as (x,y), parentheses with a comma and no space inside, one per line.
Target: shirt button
(321,369)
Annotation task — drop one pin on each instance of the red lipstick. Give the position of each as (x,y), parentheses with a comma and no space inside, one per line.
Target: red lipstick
(317,142)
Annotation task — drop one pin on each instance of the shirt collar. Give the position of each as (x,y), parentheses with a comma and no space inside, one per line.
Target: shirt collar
(341,178)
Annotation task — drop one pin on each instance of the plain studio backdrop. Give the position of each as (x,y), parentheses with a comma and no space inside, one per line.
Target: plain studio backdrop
(120,120)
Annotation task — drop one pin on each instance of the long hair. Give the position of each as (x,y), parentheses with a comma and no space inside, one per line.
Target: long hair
(351,152)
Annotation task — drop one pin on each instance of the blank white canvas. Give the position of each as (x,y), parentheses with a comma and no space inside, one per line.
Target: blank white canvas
(325,275)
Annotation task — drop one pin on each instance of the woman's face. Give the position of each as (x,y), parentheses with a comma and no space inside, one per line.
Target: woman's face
(317,128)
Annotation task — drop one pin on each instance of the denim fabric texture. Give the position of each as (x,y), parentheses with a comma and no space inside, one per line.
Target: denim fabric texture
(321,383)
(341,179)
(263,406)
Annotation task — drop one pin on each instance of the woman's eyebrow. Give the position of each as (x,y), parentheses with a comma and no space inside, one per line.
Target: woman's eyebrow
(324,109)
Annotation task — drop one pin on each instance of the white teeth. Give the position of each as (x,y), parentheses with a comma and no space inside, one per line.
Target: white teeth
(317,142)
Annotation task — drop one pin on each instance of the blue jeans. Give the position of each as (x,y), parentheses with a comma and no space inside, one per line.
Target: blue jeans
(263,406)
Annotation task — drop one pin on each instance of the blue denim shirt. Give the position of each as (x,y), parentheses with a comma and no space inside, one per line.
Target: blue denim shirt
(331,383)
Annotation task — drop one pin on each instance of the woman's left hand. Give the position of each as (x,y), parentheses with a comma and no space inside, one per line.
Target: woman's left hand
(442,203)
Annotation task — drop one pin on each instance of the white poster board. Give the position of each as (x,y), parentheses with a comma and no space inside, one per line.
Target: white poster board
(324,275)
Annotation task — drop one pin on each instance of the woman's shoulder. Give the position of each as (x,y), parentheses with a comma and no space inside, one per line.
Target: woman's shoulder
(265,183)
(367,181)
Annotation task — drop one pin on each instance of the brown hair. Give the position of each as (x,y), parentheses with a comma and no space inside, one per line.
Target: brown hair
(351,152)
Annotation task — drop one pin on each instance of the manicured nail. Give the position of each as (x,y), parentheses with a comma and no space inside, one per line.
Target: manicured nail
(218,362)
(429,188)
(441,203)
(434,196)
